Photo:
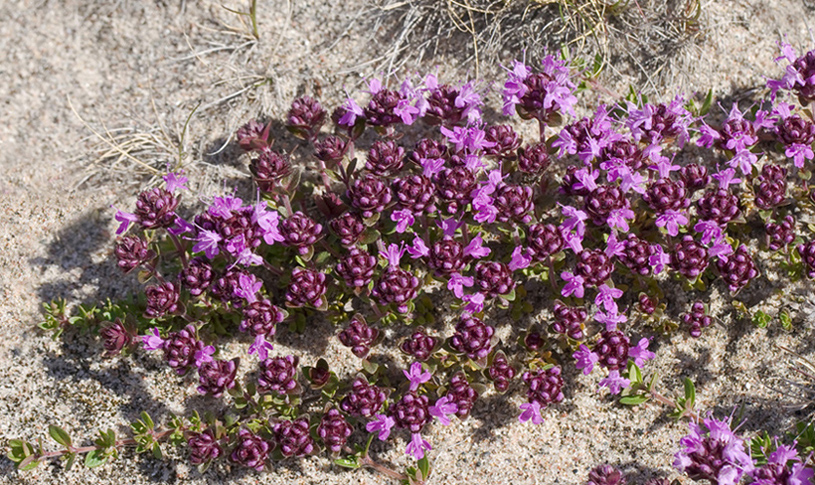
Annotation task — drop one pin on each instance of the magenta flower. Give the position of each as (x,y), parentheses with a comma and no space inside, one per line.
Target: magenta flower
(614,247)
(247,288)
(175,181)
(574,284)
(261,347)
(417,376)
(204,355)
(615,382)
(394,254)
(381,424)
(418,249)
(574,241)
(618,218)
(574,220)
(726,178)
(476,249)
(153,340)
(720,248)
(403,219)
(456,284)
(180,227)
(664,166)
(799,153)
(585,359)
(475,303)
(659,259)
(125,218)
(352,112)
(606,297)
(671,220)
(531,410)
(442,408)
(431,166)
(710,231)
(224,206)
(640,353)
(610,320)
(247,258)
(520,259)
(268,221)
(417,446)
(449,226)
(207,242)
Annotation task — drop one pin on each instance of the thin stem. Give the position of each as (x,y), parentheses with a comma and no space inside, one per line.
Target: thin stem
(367,461)
(666,401)
(88,449)
(180,248)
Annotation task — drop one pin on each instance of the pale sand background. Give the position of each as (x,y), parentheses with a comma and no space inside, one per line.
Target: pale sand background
(115,61)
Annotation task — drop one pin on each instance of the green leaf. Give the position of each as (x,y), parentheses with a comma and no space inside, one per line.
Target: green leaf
(350,462)
(29,463)
(424,467)
(690,394)
(786,320)
(95,458)
(147,420)
(59,435)
(633,400)
(707,103)
(157,451)
(70,459)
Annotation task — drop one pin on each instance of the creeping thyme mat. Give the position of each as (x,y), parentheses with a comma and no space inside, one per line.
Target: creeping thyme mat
(416,226)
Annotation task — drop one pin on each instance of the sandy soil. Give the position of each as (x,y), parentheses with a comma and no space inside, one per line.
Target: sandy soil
(139,67)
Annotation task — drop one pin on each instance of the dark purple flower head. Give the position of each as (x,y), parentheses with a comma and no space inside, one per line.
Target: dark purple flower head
(334,430)
(636,255)
(780,234)
(696,319)
(771,186)
(370,195)
(223,287)
(162,299)
(460,393)
(570,184)
(505,139)
(805,67)
(494,278)
(501,372)
(131,252)
(807,252)
(446,257)
(268,168)
(442,107)
(116,336)
(155,208)
(381,109)
(428,149)
(569,320)
(546,95)
(612,349)
(358,336)
(666,194)
(396,286)
(364,399)
(306,288)
(783,467)
(534,340)
(300,231)
(250,450)
(602,201)
(415,193)
(713,452)
(330,149)
(545,386)
(357,268)
(623,150)
(216,376)
(647,304)
(260,318)
(689,257)
(534,159)
(514,202)
(305,117)
(795,130)
(694,176)
(348,227)
(293,437)
(252,136)
(544,240)
(419,345)
(181,347)
(411,412)
(197,276)
(473,337)
(278,374)
(204,447)
(737,269)
(654,124)
(455,186)
(720,206)
(594,266)
(385,158)
(606,475)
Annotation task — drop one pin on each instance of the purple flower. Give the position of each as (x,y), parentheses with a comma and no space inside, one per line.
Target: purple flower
(475,303)
(261,347)
(268,221)
(175,181)
(531,410)
(442,408)
(204,355)
(153,340)
(475,248)
(418,249)
(417,446)
(726,178)
(574,285)
(659,259)
(710,230)
(610,320)
(248,287)
(713,452)
(403,219)
(381,424)
(352,112)
(585,359)
(520,259)
(456,284)
(125,218)
(640,352)
(393,255)
(417,376)
(606,297)
(207,242)
(615,382)
(671,220)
